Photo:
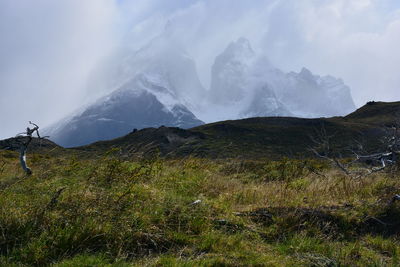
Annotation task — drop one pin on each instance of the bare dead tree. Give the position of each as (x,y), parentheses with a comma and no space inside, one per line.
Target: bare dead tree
(25,139)
(390,150)
(372,162)
(323,148)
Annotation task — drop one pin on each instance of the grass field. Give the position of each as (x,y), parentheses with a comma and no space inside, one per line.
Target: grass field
(193,212)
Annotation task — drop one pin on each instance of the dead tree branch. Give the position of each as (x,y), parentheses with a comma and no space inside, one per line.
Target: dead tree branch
(323,149)
(26,140)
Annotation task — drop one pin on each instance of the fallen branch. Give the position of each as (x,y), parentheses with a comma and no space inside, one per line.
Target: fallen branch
(53,201)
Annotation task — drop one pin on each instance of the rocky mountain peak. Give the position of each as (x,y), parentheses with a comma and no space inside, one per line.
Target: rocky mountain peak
(239,50)
(159,85)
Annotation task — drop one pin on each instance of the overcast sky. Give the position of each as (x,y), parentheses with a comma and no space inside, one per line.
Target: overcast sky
(50,49)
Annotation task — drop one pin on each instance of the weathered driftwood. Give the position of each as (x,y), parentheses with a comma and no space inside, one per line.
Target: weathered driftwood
(26,140)
(22,159)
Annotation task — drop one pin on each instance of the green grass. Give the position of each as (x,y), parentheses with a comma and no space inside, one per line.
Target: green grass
(123,212)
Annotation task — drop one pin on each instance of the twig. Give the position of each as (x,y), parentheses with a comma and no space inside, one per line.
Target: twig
(54,199)
(49,205)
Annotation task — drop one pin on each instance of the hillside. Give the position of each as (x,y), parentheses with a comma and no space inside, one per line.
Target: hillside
(36,145)
(378,113)
(253,138)
(264,137)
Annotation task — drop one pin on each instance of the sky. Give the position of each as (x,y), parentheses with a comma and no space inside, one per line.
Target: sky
(50,51)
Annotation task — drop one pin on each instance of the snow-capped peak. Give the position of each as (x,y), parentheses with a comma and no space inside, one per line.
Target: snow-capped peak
(158,85)
(239,51)
(244,79)
(306,74)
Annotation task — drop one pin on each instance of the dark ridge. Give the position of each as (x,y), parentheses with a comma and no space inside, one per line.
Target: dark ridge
(260,137)
(167,141)
(36,145)
(382,113)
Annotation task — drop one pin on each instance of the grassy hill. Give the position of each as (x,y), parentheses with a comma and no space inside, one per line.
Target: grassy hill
(271,137)
(193,212)
(36,145)
(378,113)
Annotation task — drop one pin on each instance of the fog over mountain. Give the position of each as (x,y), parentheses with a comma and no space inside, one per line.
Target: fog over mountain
(57,57)
(156,85)
(131,107)
(251,84)
(160,86)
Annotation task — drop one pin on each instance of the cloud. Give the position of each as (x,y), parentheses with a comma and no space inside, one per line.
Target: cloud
(355,40)
(49,49)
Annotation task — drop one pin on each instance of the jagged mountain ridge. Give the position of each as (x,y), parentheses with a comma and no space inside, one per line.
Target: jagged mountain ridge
(239,75)
(158,85)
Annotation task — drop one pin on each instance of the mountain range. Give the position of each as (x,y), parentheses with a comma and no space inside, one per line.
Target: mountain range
(159,85)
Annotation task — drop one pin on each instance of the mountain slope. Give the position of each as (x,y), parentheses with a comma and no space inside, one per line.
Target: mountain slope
(155,84)
(36,145)
(379,113)
(268,137)
(166,63)
(132,106)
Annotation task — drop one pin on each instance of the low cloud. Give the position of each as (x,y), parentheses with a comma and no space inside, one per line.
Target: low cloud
(47,50)
(50,51)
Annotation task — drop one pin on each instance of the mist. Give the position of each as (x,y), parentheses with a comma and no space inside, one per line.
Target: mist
(55,55)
